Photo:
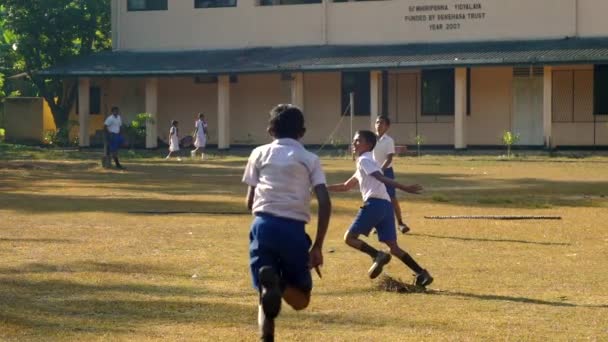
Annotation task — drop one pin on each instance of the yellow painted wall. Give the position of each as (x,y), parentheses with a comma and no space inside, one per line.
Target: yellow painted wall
(491,101)
(24,118)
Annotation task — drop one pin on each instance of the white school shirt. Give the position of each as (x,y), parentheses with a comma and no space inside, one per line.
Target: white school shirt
(113,123)
(369,186)
(200,128)
(283,173)
(174,142)
(384,147)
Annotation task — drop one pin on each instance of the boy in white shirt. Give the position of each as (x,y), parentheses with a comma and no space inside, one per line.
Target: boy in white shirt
(113,125)
(377,211)
(280,176)
(383,155)
(173,140)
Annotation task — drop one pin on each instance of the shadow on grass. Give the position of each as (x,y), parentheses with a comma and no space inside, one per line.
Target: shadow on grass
(94,267)
(458,238)
(34,240)
(513,299)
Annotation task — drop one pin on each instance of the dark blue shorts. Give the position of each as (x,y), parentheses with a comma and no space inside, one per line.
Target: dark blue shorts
(114,142)
(390,189)
(283,244)
(375,213)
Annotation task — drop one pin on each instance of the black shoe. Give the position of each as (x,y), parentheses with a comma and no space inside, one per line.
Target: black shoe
(270,297)
(403,228)
(423,279)
(379,262)
(120,167)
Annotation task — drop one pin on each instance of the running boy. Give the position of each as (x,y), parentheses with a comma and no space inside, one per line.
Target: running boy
(173,140)
(113,125)
(200,132)
(377,210)
(383,155)
(280,176)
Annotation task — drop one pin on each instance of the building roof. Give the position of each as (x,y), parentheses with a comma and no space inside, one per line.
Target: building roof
(336,57)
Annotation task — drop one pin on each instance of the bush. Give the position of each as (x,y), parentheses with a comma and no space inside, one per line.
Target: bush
(60,137)
(135,132)
(2,134)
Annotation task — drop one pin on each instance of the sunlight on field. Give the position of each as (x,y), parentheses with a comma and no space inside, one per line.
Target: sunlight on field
(77,264)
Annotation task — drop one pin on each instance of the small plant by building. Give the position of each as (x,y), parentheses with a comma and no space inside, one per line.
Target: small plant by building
(509,139)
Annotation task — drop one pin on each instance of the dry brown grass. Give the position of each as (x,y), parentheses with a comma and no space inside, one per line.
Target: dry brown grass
(76,265)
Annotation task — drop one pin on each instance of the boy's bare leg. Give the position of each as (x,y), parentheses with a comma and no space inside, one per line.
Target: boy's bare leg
(296,298)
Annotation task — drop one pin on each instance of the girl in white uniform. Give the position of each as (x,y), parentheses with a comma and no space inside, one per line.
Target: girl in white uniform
(200,132)
(173,140)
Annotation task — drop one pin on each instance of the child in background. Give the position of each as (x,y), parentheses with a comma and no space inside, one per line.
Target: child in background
(280,176)
(383,155)
(377,211)
(173,140)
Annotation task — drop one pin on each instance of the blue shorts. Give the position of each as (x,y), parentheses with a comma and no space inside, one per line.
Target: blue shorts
(283,244)
(114,142)
(375,213)
(389,173)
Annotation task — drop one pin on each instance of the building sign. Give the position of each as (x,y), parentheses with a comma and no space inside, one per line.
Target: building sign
(444,17)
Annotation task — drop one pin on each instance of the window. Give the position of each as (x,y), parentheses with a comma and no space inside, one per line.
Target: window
(600,90)
(438,92)
(146,5)
(94,101)
(287,2)
(214,3)
(358,83)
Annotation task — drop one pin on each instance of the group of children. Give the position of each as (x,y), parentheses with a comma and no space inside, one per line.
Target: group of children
(280,176)
(200,140)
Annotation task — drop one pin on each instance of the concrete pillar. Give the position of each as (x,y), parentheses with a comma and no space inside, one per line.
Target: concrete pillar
(297,90)
(152,109)
(223,112)
(460,108)
(375,98)
(84,86)
(548,106)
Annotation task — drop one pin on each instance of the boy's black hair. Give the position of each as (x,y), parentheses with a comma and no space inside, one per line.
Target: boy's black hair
(384,118)
(201,115)
(286,121)
(369,137)
(173,122)
(114,109)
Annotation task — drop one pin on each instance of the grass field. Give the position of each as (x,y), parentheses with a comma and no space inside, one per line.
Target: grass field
(76,265)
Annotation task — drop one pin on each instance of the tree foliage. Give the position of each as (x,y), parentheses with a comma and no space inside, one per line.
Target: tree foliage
(53,32)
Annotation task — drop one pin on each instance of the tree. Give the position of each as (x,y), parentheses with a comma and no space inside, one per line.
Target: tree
(52,32)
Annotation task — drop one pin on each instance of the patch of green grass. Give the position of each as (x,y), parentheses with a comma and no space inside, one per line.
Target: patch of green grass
(439,198)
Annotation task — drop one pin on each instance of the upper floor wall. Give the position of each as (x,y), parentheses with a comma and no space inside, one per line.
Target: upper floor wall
(182,26)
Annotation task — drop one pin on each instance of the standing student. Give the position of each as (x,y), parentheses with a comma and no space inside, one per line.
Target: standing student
(173,140)
(280,176)
(377,211)
(383,155)
(200,133)
(113,125)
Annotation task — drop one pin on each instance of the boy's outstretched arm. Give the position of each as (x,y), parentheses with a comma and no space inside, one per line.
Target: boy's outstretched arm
(341,187)
(316,254)
(412,189)
(249,199)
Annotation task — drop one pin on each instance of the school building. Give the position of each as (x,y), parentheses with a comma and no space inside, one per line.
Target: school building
(458,73)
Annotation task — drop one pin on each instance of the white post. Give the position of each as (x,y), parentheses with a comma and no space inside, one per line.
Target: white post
(547,106)
(152,109)
(84,86)
(374,98)
(223,112)
(351,108)
(460,107)
(297,90)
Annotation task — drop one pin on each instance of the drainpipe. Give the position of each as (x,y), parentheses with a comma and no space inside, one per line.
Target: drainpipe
(324,24)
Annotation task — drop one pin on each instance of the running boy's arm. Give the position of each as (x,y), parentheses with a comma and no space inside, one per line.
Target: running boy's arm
(316,255)
(249,199)
(342,187)
(412,189)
